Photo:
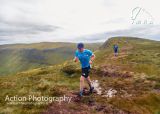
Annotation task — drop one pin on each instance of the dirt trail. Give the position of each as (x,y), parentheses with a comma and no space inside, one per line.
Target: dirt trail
(123,53)
(82,105)
(87,104)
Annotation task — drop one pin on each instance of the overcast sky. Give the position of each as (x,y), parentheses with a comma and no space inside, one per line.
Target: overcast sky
(27,21)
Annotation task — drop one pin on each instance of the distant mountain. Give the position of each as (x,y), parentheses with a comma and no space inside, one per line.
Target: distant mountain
(138,54)
(20,57)
(122,40)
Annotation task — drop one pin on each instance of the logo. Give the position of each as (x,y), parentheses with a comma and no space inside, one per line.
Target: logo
(141,16)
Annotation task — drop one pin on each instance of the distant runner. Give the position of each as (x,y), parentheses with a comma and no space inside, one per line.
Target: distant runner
(115,48)
(86,58)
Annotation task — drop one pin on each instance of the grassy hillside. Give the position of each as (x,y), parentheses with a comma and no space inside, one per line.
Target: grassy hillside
(137,72)
(137,55)
(21,57)
(133,75)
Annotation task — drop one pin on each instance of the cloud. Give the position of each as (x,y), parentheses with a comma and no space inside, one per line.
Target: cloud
(27,21)
(14,27)
(16,18)
(19,29)
(146,31)
(138,31)
(3,39)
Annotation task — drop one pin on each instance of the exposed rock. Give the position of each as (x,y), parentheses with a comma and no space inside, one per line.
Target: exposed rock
(110,93)
(98,89)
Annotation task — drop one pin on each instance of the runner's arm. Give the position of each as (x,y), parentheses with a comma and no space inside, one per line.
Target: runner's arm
(92,57)
(75,59)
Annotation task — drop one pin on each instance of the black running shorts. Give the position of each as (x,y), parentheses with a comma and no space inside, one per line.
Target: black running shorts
(85,71)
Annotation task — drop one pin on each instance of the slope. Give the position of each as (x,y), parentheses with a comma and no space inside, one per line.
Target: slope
(21,57)
(129,83)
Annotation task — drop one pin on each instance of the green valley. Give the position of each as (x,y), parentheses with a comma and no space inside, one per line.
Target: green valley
(20,57)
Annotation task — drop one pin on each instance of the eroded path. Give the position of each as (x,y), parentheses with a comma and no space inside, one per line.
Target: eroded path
(114,85)
(86,104)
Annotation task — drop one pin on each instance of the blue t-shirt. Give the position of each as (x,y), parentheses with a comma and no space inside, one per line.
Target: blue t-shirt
(84,57)
(115,48)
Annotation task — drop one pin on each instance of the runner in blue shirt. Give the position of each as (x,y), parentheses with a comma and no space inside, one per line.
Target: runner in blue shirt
(85,57)
(115,48)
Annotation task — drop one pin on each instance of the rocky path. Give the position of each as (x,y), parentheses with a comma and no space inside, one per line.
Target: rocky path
(86,104)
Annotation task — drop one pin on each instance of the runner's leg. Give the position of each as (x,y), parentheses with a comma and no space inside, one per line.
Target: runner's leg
(89,81)
(81,83)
